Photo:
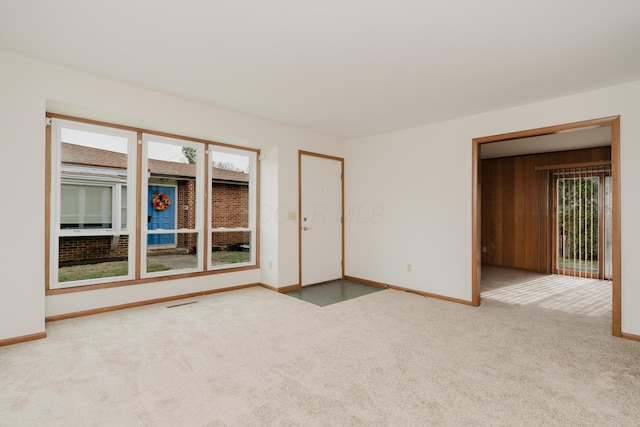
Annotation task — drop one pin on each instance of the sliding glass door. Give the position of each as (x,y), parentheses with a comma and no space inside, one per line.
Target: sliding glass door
(583,222)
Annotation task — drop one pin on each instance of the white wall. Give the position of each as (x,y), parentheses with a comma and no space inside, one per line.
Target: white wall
(22,216)
(268,216)
(408,193)
(29,88)
(412,192)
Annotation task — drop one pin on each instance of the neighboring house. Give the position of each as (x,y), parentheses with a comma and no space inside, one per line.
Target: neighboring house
(93,186)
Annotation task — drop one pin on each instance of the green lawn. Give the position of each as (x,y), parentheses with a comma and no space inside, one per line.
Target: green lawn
(577,264)
(230,257)
(120,268)
(102,269)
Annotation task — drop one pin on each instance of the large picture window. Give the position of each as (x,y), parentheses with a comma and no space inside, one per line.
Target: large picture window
(172,206)
(91,168)
(233,213)
(129,205)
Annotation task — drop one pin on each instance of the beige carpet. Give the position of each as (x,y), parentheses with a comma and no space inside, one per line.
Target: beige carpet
(255,357)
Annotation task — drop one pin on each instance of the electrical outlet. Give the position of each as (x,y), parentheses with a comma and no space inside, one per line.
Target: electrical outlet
(409,268)
(270,265)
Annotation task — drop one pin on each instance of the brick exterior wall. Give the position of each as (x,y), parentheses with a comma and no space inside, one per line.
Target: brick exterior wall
(90,249)
(186,218)
(230,208)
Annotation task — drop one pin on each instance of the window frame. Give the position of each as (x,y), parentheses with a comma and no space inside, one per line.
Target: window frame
(598,174)
(136,207)
(253,213)
(144,211)
(56,232)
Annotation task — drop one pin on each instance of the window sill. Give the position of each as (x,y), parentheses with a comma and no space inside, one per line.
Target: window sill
(59,291)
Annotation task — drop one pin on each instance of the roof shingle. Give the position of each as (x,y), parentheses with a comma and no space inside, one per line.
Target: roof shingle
(74,154)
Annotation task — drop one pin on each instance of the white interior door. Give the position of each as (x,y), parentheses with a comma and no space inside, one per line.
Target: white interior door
(320,219)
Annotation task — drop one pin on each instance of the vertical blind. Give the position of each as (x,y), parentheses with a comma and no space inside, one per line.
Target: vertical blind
(582,214)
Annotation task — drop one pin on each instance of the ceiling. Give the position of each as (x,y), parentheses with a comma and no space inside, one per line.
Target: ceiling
(571,139)
(342,68)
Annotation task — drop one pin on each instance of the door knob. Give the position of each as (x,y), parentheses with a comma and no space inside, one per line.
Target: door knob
(306,228)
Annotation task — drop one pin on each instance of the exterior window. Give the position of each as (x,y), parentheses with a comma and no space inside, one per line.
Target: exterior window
(101,189)
(91,169)
(233,212)
(93,206)
(86,206)
(123,205)
(173,202)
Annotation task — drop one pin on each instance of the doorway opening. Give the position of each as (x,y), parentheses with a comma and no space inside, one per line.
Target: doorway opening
(547,247)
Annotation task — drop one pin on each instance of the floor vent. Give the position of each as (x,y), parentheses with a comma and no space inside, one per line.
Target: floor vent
(180,305)
(411,291)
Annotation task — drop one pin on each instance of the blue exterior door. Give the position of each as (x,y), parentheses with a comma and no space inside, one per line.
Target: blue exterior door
(162,219)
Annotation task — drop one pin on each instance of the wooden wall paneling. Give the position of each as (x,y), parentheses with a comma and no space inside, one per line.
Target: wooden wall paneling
(520,237)
(492,208)
(490,222)
(542,220)
(547,218)
(508,214)
(510,208)
(499,218)
(602,153)
(531,226)
(487,208)
(527,258)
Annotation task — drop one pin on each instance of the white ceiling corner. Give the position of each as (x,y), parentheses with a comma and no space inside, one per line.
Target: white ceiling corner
(343,68)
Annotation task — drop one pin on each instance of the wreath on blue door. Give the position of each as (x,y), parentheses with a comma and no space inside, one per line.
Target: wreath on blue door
(160,201)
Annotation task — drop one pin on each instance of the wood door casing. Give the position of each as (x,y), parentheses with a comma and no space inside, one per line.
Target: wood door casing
(616,248)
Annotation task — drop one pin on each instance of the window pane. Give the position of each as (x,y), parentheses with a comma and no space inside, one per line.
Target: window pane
(578,224)
(90,173)
(92,257)
(229,190)
(608,228)
(182,256)
(230,247)
(171,190)
(92,164)
(123,206)
(172,204)
(229,205)
(85,206)
(232,213)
